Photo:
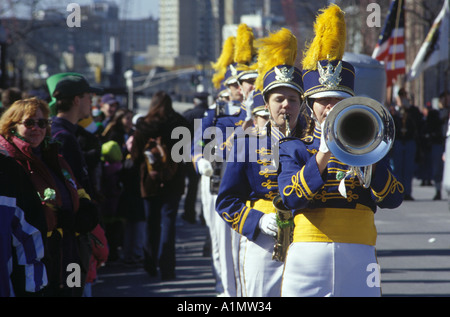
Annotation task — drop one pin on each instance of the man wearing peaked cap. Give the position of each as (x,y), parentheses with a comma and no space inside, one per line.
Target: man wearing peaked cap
(73,99)
(334,234)
(72,94)
(108,105)
(51,85)
(73,85)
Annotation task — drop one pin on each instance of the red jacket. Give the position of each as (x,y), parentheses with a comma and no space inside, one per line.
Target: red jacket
(100,252)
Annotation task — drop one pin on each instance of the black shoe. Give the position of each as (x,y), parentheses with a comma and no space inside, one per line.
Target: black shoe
(167,276)
(408,197)
(149,265)
(188,219)
(207,249)
(151,270)
(437,196)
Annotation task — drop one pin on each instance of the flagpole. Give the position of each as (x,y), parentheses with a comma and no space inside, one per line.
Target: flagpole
(394,52)
(446,92)
(397,21)
(391,36)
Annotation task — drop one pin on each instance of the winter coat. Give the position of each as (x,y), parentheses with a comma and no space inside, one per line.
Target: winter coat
(150,131)
(64,203)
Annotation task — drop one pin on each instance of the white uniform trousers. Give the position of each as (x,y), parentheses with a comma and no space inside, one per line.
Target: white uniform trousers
(262,275)
(236,240)
(226,239)
(209,214)
(242,247)
(221,243)
(331,269)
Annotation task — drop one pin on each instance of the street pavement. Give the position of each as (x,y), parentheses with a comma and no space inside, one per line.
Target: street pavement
(413,249)
(414,246)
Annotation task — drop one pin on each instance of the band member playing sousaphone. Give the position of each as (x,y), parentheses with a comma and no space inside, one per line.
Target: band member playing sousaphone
(333,250)
(249,184)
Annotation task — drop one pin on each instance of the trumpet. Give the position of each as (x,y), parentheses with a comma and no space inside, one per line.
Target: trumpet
(359,132)
(284,237)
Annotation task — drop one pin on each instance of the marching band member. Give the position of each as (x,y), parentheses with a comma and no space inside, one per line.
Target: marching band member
(245,73)
(249,183)
(218,117)
(333,249)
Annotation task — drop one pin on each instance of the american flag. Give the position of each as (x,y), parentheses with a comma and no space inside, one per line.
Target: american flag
(390,48)
(435,48)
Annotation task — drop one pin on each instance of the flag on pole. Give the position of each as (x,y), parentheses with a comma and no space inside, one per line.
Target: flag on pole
(390,48)
(435,47)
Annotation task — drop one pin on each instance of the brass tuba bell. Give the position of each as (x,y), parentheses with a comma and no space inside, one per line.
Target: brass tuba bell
(359,131)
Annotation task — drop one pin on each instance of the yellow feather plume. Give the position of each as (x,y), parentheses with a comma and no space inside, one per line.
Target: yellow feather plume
(225,59)
(278,48)
(243,49)
(329,39)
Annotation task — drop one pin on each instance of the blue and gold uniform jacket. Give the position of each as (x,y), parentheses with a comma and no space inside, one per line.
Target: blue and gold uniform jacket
(201,138)
(249,183)
(319,207)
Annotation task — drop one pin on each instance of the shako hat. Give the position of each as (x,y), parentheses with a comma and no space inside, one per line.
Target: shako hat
(225,71)
(325,74)
(245,53)
(276,58)
(259,107)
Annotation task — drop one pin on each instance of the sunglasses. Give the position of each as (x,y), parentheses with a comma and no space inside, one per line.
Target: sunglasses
(41,123)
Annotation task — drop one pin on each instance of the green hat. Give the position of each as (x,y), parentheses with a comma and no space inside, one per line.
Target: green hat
(51,84)
(111,152)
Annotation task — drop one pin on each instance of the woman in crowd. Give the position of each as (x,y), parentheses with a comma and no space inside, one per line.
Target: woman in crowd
(162,181)
(120,128)
(25,135)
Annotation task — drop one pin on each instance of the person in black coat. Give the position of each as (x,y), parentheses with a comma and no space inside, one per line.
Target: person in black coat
(162,181)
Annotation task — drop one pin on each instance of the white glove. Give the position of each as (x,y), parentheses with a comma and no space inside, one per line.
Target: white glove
(323,145)
(268,224)
(248,106)
(204,167)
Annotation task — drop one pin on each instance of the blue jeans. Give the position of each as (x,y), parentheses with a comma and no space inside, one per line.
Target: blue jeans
(160,246)
(403,158)
(437,164)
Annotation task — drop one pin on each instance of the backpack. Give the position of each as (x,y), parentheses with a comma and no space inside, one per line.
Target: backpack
(157,169)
